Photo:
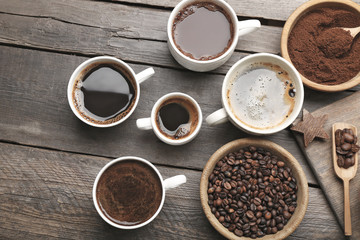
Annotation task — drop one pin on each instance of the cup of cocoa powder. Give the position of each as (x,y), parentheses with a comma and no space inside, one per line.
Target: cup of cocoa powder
(326,56)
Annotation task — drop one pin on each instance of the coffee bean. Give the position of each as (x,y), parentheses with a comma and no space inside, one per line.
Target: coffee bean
(287,215)
(346,146)
(250,214)
(348,137)
(238,232)
(232,227)
(227,185)
(267,215)
(253,193)
(257,201)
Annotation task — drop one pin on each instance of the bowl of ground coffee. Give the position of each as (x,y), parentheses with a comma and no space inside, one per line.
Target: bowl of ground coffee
(253,188)
(326,56)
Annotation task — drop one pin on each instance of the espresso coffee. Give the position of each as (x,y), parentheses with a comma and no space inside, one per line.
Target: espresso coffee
(104,93)
(129,192)
(177,118)
(203,31)
(262,96)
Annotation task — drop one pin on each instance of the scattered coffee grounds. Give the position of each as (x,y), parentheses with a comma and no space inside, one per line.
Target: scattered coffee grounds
(346,148)
(252,193)
(315,49)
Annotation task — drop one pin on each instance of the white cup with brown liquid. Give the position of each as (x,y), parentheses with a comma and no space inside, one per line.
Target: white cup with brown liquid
(203,34)
(104,91)
(176,119)
(261,94)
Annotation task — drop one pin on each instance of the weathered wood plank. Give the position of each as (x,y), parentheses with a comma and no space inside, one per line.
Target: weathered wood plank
(34,110)
(53,35)
(268,9)
(320,159)
(121,21)
(47,194)
(125,31)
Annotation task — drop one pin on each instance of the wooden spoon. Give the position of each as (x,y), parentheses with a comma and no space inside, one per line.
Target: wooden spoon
(345,174)
(353,31)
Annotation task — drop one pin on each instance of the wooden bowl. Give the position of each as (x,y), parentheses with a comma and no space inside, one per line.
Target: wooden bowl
(290,161)
(291,22)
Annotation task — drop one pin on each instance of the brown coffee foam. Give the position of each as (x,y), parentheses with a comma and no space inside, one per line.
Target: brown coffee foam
(184,13)
(133,203)
(128,75)
(189,106)
(283,77)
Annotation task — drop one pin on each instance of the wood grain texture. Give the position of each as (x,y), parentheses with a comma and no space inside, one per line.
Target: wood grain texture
(268,9)
(46,194)
(35,111)
(132,33)
(119,21)
(319,155)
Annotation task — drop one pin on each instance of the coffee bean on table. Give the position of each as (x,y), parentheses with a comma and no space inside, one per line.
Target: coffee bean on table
(252,197)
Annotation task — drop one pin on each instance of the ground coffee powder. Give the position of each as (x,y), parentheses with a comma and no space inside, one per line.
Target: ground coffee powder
(314,47)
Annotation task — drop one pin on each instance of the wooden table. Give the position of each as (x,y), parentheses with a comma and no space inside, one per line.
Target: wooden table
(49,158)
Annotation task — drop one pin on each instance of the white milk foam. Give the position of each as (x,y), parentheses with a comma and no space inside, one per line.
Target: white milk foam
(259,97)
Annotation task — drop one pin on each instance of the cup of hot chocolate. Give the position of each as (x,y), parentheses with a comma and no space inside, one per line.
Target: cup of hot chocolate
(176,119)
(203,34)
(129,192)
(261,94)
(104,91)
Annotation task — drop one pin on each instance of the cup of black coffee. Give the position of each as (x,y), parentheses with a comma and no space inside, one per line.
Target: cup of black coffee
(176,119)
(203,34)
(129,192)
(104,91)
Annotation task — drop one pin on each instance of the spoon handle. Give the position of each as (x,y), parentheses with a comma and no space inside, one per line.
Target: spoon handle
(347,215)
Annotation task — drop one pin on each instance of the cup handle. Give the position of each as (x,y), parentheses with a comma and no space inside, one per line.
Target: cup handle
(144,75)
(174,182)
(248,26)
(144,123)
(217,117)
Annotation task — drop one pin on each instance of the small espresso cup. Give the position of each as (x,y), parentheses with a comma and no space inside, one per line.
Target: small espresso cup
(253,104)
(117,200)
(186,131)
(240,28)
(83,69)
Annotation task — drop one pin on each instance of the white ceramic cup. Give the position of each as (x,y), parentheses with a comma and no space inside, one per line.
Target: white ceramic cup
(171,182)
(150,123)
(139,78)
(224,114)
(240,28)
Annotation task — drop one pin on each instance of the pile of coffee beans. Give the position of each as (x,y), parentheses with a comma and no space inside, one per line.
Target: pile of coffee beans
(346,148)
(252,192)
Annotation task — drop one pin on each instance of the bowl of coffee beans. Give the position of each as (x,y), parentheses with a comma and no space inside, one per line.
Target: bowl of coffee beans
(314,41)
(253,188)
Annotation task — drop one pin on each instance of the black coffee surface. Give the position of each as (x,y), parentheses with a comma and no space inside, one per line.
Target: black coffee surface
(174,119)
(106,92)
(202,31)
(129,192)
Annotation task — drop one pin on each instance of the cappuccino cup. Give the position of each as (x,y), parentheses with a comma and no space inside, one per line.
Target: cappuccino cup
(261,94)
(203,34)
